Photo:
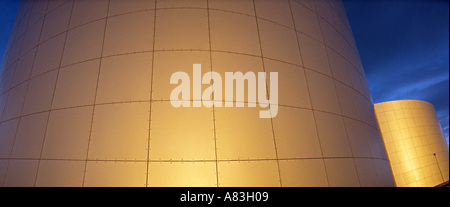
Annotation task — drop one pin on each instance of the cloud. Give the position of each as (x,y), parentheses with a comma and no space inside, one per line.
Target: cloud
(405,81)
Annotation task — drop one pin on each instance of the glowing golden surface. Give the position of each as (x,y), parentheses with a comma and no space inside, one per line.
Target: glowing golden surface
(412,135)
(85,89)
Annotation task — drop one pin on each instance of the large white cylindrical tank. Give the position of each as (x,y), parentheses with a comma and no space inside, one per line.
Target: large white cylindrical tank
(85,96)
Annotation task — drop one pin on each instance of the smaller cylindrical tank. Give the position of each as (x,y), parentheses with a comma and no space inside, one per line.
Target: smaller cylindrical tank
(415,143)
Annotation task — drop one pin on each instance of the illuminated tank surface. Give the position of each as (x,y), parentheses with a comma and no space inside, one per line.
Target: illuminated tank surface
(415,143)
(85,96)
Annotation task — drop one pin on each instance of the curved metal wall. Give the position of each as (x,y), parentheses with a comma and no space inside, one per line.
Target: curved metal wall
(85,96)
(415,142)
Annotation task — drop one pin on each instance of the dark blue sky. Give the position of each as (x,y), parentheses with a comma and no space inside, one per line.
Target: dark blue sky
(404,46)
(8,11)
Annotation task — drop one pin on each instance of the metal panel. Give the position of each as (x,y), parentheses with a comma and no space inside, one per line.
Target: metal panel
(332,135)
(23,68)
(15,101)
(182,174)
(6,79)
(18,28)
(23,19)
(279,42)
(308,3)
(306,20)
(314,54)
(52,4)
(7,134)
(182,29)
(31,38)
(357,136)
(339,15)
(375,143)
(181,133)
(141,39)
(84,43)
(276,11)
(347,97)
(369,112)
(323,92)
(365,87)
(40,93)
(384,173)
(120,131)
(295,134)
(338,66)
(241,134)
(3,167)
(165,66)
(367,175)
(3,98)
(341,172)
(60,173)
(303,173)
(241,63)
(290,78)
(331,37)
(85,11)
(249,174)
(30,135)
(121,7)
(181,4)
(15,51)
(48,55)
(125,78)
(56,21)
(67,134)
(355,78)
(226,35)
(21,173)
(325,11)
(39,9)
(76,85)
(239,6)
(347,49)
(24,8)
(115,174)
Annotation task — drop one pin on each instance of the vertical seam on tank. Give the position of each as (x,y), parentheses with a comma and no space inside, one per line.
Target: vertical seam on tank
(151,95)
(214,101)
(54,90)
(309,94)
(337,95)
(267,93)
(95,96)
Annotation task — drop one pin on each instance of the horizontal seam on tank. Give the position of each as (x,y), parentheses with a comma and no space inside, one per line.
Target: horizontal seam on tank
(188,160)
(191,50)
(104,18)
(161,100)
